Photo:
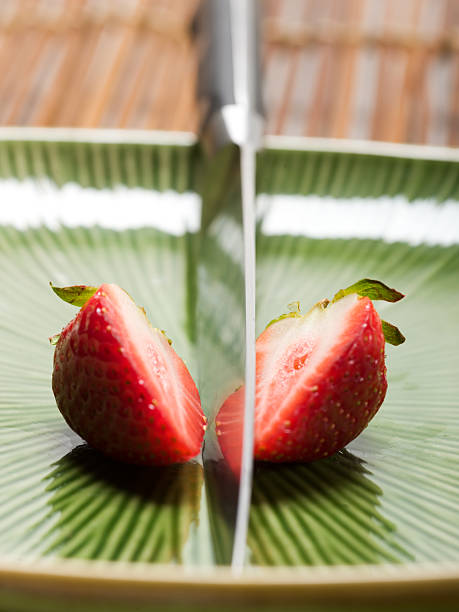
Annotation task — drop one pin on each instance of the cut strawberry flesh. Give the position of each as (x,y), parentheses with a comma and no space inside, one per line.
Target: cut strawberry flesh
(165,376)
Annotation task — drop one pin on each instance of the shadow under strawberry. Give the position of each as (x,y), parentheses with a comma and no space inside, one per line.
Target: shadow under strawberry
(101,509)
(320,513)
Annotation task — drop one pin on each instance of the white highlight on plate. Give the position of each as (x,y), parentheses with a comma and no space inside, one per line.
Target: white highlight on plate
(31,203)
(393,219)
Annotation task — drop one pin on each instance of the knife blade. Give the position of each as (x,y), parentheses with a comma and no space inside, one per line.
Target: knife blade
(230,99)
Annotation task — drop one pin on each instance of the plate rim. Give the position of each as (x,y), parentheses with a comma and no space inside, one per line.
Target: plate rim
(324,583)
(270,141)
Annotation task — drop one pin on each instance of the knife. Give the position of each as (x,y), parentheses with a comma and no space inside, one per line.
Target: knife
(230,102)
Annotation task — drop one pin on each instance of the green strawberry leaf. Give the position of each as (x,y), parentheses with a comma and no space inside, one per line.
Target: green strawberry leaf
(373,289)
(392,334)
(77,295)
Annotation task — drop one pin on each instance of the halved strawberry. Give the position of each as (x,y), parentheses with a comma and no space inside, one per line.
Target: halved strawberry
(120,385)
(320,378)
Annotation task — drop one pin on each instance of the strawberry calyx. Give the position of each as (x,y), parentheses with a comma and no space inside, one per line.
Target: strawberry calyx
(392,334)
(366,287)
(376,290)
(373,289)
(79,295)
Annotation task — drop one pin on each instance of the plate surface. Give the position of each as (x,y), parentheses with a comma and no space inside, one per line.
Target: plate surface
(103,210)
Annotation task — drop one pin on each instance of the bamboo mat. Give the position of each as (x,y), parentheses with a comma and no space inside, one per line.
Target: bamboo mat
(372,69)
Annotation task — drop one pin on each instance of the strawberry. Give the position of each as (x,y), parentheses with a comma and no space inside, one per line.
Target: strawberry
(320,378)
(120,385)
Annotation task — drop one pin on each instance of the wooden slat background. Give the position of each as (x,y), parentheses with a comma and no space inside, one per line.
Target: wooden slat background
(372,69)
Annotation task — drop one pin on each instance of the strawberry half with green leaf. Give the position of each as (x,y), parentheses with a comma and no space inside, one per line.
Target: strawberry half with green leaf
(119,383)
(320,377)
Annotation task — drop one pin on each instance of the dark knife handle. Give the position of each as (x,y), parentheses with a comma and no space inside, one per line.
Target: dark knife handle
(229,76)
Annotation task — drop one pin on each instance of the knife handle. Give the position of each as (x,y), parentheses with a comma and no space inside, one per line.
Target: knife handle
(229,83)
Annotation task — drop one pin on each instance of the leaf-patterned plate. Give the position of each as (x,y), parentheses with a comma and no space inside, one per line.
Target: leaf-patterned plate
(374,527)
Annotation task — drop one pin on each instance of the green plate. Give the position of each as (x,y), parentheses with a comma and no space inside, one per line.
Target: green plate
(375,526)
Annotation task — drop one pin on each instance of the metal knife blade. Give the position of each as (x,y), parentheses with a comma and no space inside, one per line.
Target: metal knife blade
(232,129)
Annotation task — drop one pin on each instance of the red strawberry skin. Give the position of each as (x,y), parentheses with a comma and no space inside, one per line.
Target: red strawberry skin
(122,388)
(307,415)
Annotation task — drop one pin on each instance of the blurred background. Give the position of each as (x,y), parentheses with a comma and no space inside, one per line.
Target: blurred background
(369,69)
